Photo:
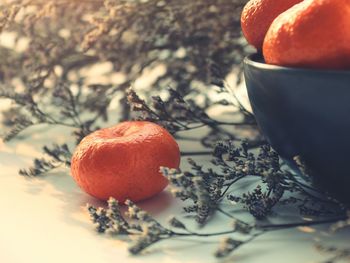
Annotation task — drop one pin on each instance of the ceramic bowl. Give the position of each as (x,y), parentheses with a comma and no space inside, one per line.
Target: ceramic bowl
(305,112)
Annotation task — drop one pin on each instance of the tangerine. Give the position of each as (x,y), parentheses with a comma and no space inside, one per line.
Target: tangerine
(313,33)
(257,17)
(123,161)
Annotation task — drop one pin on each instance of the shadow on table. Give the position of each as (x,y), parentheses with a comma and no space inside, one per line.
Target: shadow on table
(60,185)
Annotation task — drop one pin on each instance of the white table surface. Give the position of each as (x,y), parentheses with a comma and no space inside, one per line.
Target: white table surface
(44,220)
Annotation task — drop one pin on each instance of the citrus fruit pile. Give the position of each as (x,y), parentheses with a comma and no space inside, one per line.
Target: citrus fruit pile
(296,33)
(123,161)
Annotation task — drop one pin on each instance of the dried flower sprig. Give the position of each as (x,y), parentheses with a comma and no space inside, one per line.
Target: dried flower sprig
(175,113)
(28,112)
(147,231)
(57,156)
(179,114)
(144,227)
(207,188)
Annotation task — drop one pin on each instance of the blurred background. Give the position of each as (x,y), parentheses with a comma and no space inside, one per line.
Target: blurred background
(71,63)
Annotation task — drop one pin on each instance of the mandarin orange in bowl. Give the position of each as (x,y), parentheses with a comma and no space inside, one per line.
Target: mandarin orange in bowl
(123,161)
(257,17)
(311,34)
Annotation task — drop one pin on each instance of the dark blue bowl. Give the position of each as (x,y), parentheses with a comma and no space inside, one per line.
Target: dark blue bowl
(305,112)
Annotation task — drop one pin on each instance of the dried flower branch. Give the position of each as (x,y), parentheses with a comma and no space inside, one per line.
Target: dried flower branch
(147,231)
(207,188)
(178,114)
(57,155)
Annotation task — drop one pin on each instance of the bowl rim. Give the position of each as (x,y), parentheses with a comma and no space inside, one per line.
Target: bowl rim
(251,61)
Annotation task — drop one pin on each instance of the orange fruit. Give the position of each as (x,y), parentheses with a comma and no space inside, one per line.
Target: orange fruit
(313,33)
(123,161)
(257,17)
